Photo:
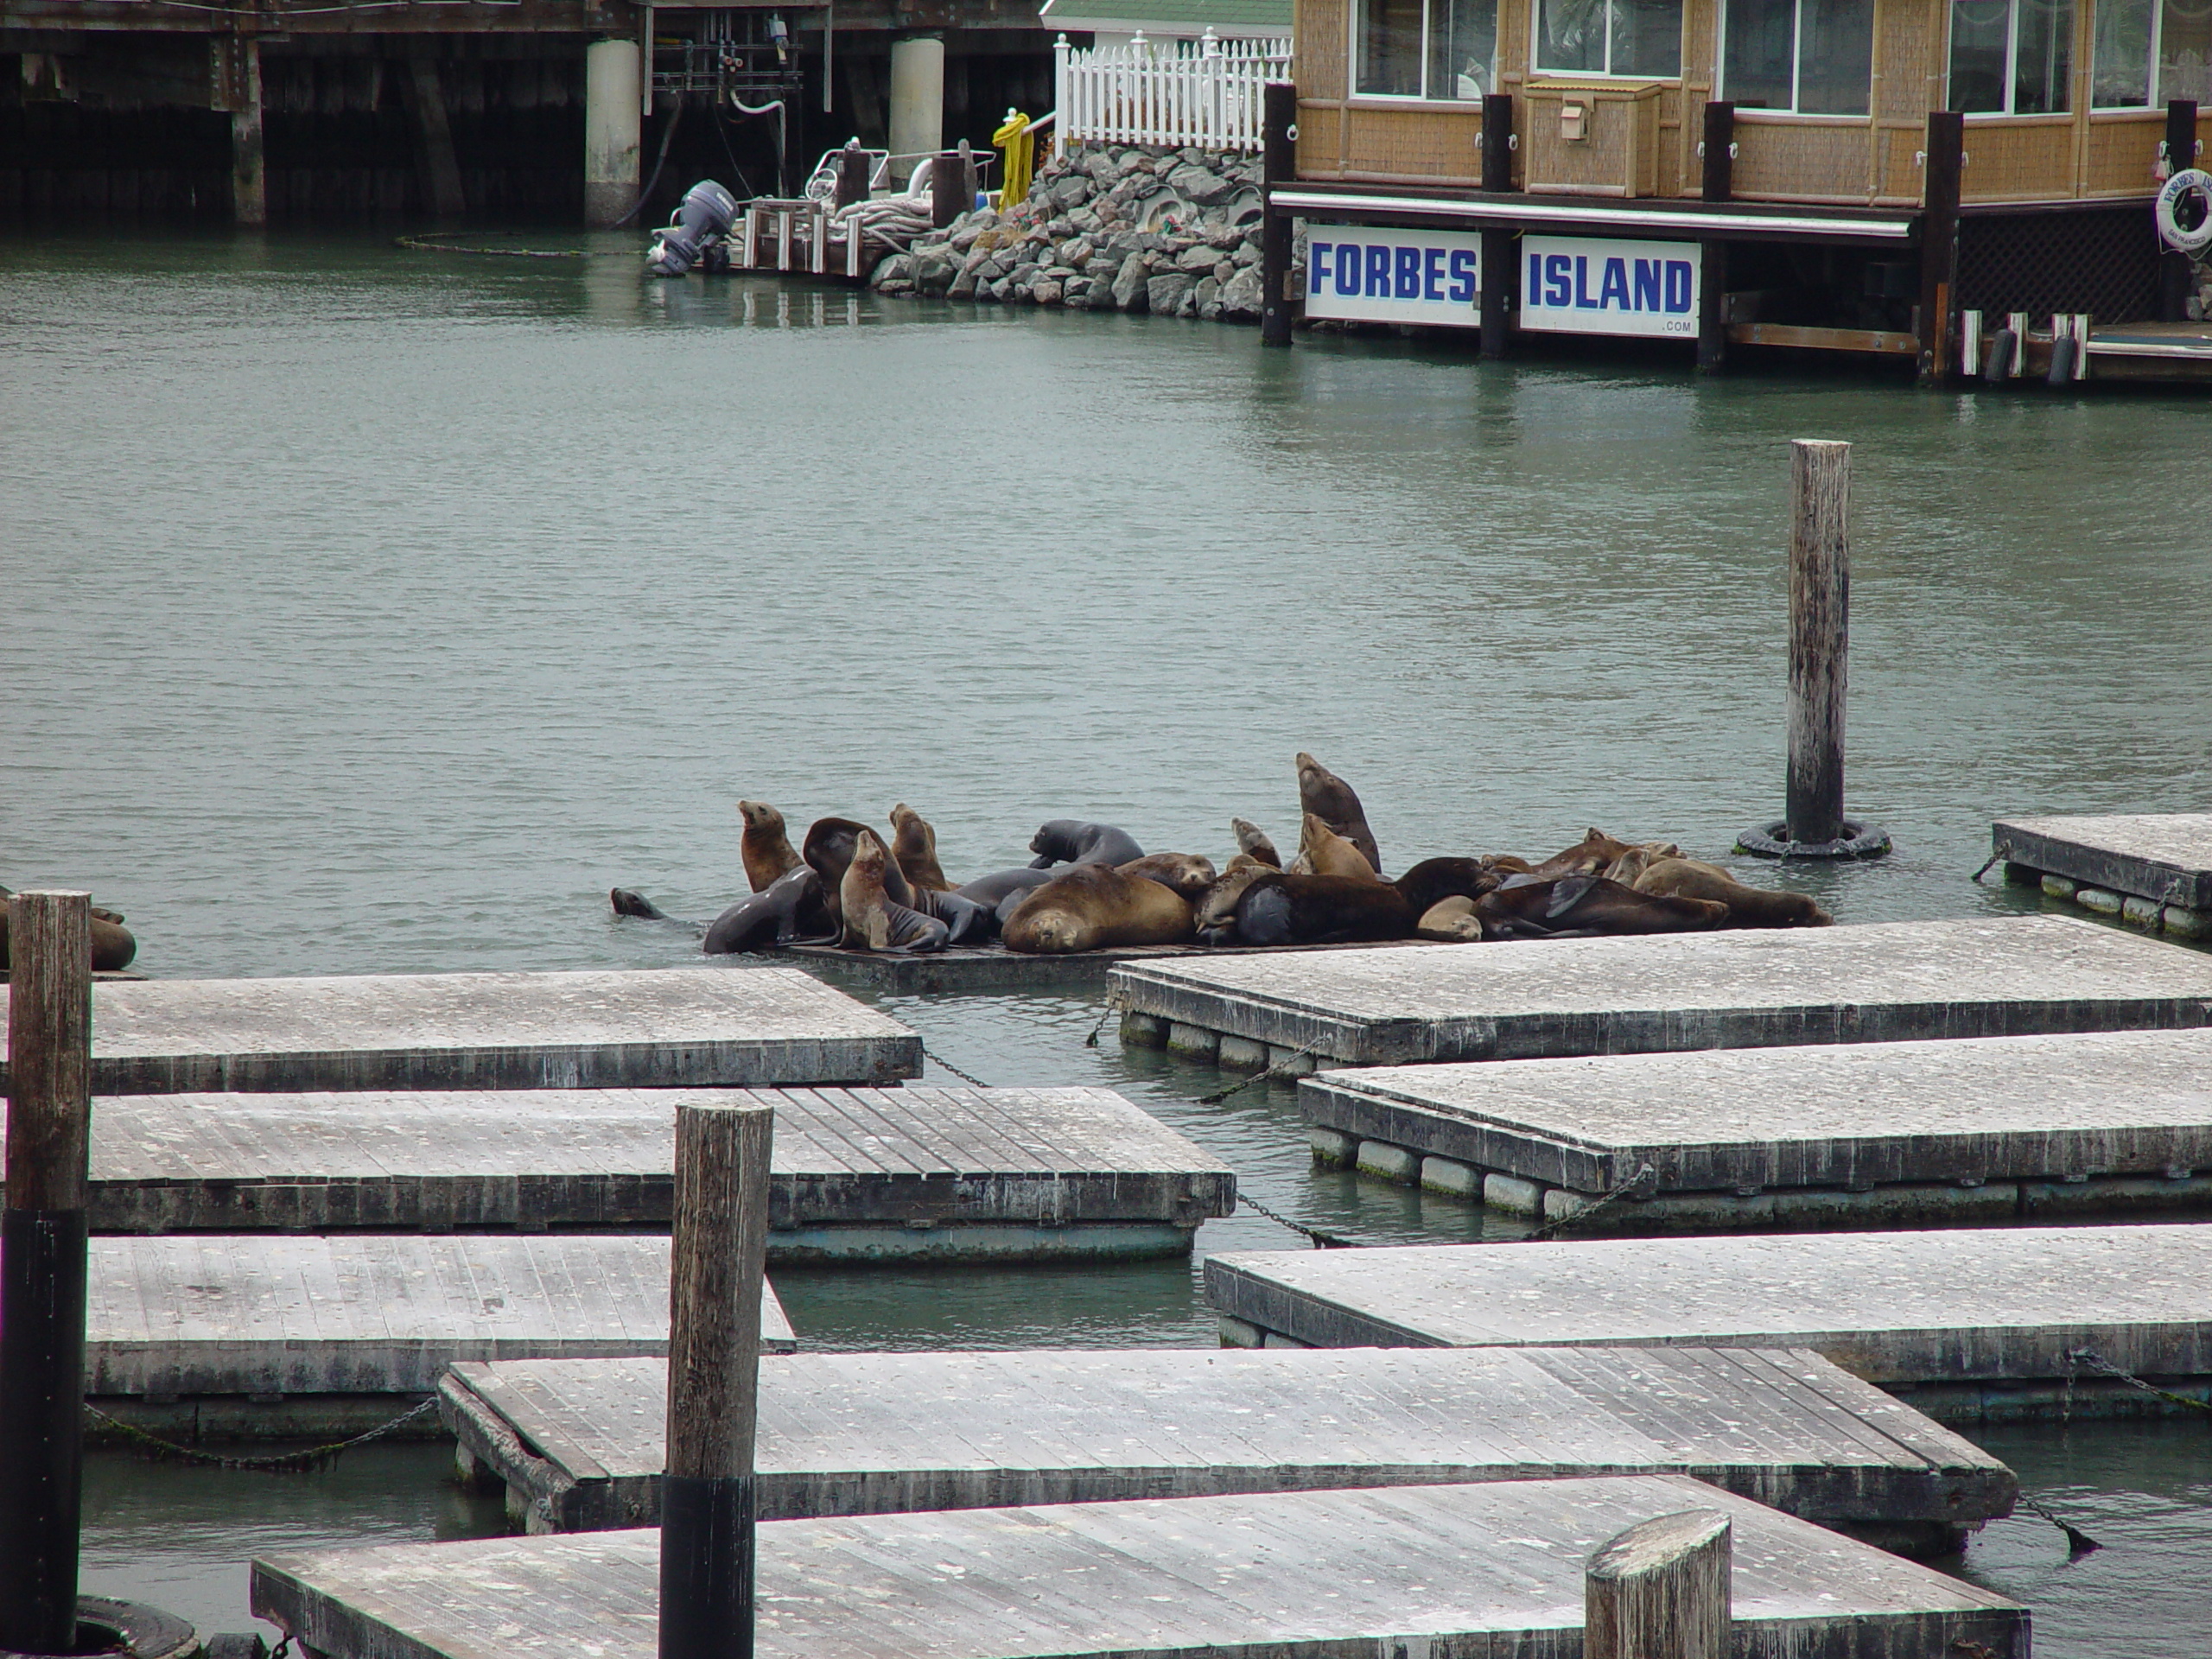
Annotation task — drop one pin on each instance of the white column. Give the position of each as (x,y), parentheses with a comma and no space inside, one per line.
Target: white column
(611,122)
(917,96)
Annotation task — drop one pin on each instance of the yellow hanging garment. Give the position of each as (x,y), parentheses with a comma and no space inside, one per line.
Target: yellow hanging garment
(1021,147)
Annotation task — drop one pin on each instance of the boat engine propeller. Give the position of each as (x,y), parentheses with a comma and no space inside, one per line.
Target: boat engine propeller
(695,236)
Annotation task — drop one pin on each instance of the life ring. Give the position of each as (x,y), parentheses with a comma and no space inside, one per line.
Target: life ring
(2181,184)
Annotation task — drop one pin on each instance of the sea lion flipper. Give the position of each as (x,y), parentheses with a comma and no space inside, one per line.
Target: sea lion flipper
(1566,892)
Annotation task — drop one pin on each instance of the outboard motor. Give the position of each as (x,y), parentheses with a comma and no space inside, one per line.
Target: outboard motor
(702,219)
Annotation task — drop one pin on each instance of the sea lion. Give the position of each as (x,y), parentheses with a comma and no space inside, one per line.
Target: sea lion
(113,945)
(788,911)
(1748,906)
(1330,799)
(1246,861)
(915,848)
(766,846)
(1253,842)
(1586,905)
(1638,859)
(990,890)
(628,901)
(1093,905)
(1506,864)
(1070,840)
(1324,852)
(1436,878)
(1586,857)
(1184,873)
(874,920)
(829,852)
(1453,919)
(1215,913)
(1321,910)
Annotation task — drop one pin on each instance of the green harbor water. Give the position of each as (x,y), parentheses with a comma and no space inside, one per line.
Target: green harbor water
(373,610)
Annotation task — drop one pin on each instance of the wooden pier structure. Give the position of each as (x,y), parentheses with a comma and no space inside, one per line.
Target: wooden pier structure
(1847,1135)
(711,1027)
(1438,1570)
(2153,870)
(1545,999)
(968,968)
(1966,1324)
(860,1174)
(578,1444)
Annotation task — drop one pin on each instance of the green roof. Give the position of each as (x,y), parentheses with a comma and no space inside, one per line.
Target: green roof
(1178,16)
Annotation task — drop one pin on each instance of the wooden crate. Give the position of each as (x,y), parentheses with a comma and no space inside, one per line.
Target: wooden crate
(1618,154)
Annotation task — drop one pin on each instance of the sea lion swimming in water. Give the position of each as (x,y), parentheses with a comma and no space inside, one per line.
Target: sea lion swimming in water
(1184,873)
(1253,842)
(1748,906)
(915,848)
(1324,852)
(1070,840)
(1092,906)
(113,945)
(1330,799)
(1586,905)
(874,920)
(766,846)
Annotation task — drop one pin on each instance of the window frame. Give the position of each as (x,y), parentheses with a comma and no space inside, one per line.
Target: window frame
(1535,38)
(2075,11)
(2151,103)
(1796,74)
(1353,58)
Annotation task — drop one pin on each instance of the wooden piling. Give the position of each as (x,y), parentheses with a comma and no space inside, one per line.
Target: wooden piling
(439,168)
(952,186)
(1939,241)
(1497,245)
(717,1250)
(42,1255)
(1278,166)
(1660,1590)
(2175,267)
(1820,617)
(1719,185)
(853,169)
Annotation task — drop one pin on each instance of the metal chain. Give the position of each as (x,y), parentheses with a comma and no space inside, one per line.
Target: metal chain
(1113,1007)
(2097,1362)
(301,1462)
(1320,1240)
(936,1058)
(2078,1543)
(1280,1069)
(1643,1173)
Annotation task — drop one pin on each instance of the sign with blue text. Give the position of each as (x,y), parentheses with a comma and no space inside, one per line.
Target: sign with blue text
(1370,273)
(1592,285)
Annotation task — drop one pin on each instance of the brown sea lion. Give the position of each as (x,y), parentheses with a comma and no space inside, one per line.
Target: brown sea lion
(1586,857)
(1185,873)
(828,850)
(1330,799)
(1320,909)
(1505,864)
(1215,913)
(1586,905)
(1452,919)
(1325,852)
(1748,906)
(1070,840)
(766,846)
(1093,905)
(1246,861)
(1253,842)
(114,946)
(915,848)
(1638,859)
(1435,879)
(874,920)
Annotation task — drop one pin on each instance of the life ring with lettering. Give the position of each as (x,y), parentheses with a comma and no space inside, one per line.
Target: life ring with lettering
(2190,180)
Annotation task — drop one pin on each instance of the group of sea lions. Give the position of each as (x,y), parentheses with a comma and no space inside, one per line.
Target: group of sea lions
(1091,885)
(113,944)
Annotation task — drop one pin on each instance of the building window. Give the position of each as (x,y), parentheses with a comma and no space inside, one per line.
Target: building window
(1610,37)
(1428,48)
(2011,57)
(2147,52)
(1815,57)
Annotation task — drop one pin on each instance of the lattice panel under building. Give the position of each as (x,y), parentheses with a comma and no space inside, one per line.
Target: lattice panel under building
(2104,261)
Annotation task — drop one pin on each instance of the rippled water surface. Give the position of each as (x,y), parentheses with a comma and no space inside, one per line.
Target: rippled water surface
(368,610)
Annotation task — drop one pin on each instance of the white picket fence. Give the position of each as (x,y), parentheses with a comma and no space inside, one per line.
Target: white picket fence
(1142,94)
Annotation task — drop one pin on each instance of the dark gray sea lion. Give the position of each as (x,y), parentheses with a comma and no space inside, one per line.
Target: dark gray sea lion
(1252,840)
(1070,840)
(874,920)
(1184,873)
(1092,906)
(766,846)
(788,911)
(1748,906)
(915,848)
(1000,884)
(1588,905)
(627,901)
(1434,880)
(1330,799)
(829,851)
(114,946)
(1320,909)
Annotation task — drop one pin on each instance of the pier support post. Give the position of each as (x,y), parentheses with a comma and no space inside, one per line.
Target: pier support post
(1719,185)
(917,97)
(1819,631)
(952,185)
(1278,165)
(853,170)
(234,63)
(42,1268)
(612,115)
(1660,1590)
(441,167)
(2176,267)
(1498,245)
(717,1250)
(1939,241)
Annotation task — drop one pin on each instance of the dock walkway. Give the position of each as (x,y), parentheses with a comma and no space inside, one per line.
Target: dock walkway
(1848,1136)
(859,1174)
(700,1028)
(993,967)
(1750,988)
(1964,1324)
(579,1446)
(2152,869)
(1463,1570)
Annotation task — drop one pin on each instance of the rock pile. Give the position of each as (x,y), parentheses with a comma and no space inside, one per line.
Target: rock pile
(1175,232)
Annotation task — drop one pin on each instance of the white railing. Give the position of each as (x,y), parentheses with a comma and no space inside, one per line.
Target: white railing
(1139,94)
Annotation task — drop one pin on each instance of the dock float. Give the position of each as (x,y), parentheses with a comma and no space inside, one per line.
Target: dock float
(969,968)
(1748,988)
(578,1443)
(859,1174)
(701,1027)
(1434,1570)
(1965,1324)
(260,1335)
(1983,1130)
(2153,870)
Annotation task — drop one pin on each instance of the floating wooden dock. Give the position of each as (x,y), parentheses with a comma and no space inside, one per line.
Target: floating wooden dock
(2152,869)
(1748,988)
(578,1443)
(714,1027)
(978,967)
(1964,1324)
(335,1328)
(859,1174)
(1491,1569)
(1848,1136)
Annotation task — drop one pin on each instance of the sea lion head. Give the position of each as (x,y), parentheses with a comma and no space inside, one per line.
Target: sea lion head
(870,857)
(758,815)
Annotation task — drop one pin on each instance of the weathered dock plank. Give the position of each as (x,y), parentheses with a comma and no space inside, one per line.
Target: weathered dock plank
(1947,1320)
(2165,857)
(859,1173)
(973,967)
(1885,982)
(1462,1570)
(1846,1136)
(579,1444)
(714,1027)
(368,1314)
